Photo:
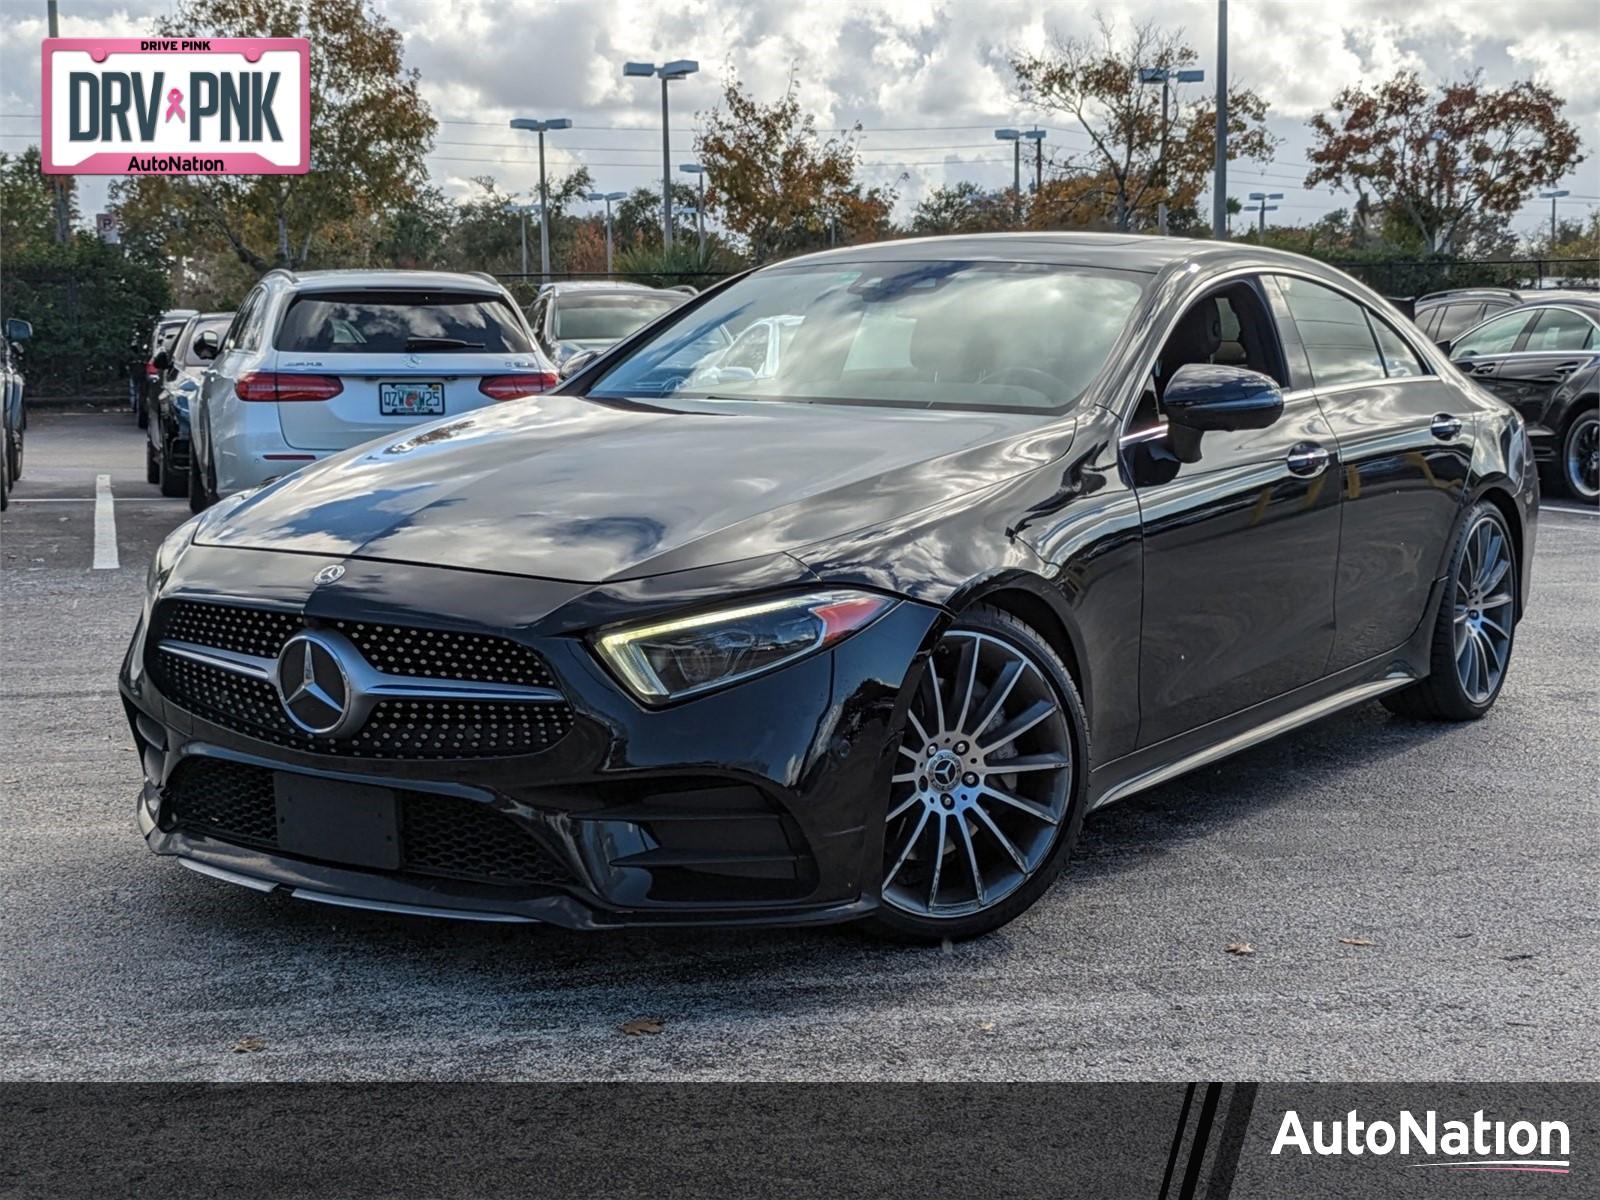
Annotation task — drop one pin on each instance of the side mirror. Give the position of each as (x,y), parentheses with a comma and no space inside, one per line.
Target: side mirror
(162,360)
(18,330)
(1444,344)
(1209,397)
(206,344)
(577,362)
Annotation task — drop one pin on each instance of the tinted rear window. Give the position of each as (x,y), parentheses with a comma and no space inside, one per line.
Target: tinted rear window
(607,318)
(396,322)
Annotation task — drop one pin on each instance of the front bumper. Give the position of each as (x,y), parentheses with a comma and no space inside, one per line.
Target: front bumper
(761,803)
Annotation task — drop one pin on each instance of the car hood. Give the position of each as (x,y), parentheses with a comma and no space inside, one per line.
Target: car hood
(561,487)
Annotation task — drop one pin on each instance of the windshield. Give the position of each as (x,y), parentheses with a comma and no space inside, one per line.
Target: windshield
(974,335)
(607,318)
(394,322)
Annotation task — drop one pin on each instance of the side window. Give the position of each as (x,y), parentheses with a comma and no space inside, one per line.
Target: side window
(233,339)
(1498,336)
(1560,329)
(1457,319)
(1399,359)
(536,318)
(1333,328)
(1429,321)
(250,336)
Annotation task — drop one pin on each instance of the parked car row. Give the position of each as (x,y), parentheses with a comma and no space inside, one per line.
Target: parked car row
(1539,351)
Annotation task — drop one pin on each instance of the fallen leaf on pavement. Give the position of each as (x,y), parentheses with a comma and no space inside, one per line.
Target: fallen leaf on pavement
(986,1026)
(1240,948)
(248,1045)
(1354,942)
(651,1025)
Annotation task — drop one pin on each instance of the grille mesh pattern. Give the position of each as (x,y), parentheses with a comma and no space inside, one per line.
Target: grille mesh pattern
(440,836)
(419,729)
(230,800)
(460,839)
(443,654)
(230,627)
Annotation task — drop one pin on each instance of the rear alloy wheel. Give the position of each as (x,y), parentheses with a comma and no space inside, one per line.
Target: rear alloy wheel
(1474,632)
(986,777)
(1580,457)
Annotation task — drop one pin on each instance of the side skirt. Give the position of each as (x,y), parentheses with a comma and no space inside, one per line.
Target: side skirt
(1153,765)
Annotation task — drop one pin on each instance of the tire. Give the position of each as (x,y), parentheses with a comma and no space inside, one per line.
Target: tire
(141,411)
(5,473)
(1475,631)
(977,841)
(1577,472)
(199,497)
(172,483)
(152,463)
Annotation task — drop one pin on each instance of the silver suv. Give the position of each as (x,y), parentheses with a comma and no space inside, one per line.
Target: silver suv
(318,361)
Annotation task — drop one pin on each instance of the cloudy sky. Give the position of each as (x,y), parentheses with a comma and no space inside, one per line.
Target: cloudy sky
(926,79)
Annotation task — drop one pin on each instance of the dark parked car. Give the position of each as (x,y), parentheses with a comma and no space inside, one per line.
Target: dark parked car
(180,369)
(1021,525)
(13,410)
(1540,359)
(162,336)
(1448,314)
(568,318)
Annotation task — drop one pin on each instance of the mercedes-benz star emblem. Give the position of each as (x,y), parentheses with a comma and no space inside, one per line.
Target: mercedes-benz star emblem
(328,574)
(312,684)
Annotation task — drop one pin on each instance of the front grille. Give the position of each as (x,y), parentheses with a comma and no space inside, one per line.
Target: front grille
(397,728)
(440,836)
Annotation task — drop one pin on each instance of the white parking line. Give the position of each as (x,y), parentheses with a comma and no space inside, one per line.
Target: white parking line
(105,526)
(1570,510)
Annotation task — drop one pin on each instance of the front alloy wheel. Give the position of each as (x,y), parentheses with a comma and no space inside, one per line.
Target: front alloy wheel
(984,784)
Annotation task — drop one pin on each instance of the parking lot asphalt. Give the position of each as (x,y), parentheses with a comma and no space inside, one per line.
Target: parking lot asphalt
(1468,856)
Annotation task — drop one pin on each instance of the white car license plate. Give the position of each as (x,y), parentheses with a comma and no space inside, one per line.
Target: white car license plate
(410,399)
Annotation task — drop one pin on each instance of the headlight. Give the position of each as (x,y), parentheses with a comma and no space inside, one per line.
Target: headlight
(166,556)
(669,660)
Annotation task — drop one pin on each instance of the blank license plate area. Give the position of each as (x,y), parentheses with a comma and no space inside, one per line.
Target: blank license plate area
(349,823)
(410,399)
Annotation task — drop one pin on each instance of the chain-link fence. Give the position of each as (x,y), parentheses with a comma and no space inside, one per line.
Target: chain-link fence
(1417,277)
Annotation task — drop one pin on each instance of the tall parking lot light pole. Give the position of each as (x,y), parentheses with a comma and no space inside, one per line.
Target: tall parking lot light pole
(1553,196)
(1219,183)
(1014,136)
(522,211)
(700,202)
(540,127)
(608,197)
(680,68)
(1166,77)
(1036,136)
(1265,208)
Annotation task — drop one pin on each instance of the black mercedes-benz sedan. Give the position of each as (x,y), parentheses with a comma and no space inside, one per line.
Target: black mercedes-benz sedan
(1020,525)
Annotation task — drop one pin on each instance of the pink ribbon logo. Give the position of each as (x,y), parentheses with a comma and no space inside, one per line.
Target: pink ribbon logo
(175,105)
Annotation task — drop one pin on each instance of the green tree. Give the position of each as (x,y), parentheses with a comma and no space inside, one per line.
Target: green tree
(1143,160)
(962,208)
(775,182)
(27,218)
(1447,162)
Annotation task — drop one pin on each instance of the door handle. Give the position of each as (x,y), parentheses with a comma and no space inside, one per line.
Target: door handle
(1482,368)
(1566,368)
(1445,427)
(1307,459)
